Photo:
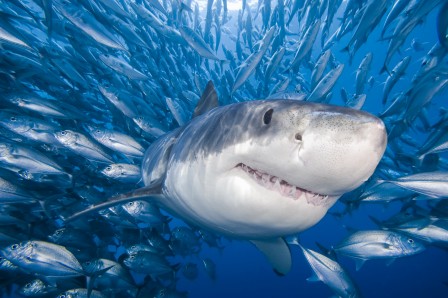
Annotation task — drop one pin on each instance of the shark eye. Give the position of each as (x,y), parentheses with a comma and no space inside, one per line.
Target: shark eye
(268,116)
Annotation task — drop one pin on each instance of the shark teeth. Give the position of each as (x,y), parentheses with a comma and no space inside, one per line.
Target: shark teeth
(281,186)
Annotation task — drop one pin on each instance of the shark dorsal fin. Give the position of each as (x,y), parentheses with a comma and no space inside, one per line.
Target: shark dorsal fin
(277,252)
(208,100)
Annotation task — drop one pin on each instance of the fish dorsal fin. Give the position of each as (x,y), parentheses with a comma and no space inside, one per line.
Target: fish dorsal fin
(359,263)
(152,192)
(313,278)
(390,261)
(208,100)
(277,252)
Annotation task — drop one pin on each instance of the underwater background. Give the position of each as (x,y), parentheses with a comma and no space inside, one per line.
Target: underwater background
(132,67)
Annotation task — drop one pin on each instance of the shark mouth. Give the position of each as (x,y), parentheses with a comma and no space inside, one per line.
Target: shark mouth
(284,188)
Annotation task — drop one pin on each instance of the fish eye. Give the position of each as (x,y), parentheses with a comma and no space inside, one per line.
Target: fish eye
(267,117)
(15,246)
(28,285)
(411,241)
(58,232)
(298,137)
(108,169)
(13,118)
(63,133)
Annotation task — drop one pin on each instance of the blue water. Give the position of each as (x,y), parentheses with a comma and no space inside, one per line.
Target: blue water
(242,271)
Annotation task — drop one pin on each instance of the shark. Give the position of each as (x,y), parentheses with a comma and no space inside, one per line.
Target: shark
(258,170)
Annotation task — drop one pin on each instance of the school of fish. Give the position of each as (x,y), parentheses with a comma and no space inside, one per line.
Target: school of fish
(86,86)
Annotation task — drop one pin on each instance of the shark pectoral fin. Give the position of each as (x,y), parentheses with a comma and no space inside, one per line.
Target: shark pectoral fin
(277,252)
(152,192)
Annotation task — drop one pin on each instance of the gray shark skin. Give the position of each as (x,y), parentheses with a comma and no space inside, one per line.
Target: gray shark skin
(260,170)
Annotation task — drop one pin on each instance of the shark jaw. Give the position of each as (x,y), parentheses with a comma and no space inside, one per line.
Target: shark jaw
(232,196)
(276,184)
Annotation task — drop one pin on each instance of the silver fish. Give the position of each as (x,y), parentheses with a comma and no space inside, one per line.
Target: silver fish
(361,73)
(148,263)
(197,43)
(116,141)
(430,231)
(331,273)
(87,23)
(125,173)
(18,158)
(377,244)
(122,67)
(396,73)
(432,184)
(249,65)
(326,84)
(81,145)
(43,258)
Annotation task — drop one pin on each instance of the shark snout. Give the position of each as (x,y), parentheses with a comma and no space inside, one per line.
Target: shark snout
(340,150)
(375,132)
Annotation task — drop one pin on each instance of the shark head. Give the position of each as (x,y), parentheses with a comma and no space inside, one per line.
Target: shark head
(266,169)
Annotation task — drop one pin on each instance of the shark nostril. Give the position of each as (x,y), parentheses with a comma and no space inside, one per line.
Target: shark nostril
(298,137)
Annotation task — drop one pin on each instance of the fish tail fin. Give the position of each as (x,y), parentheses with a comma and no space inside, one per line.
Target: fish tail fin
(327,251)
(90,278)
(385,69)
(384,101)
(293,240)
(376,221)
